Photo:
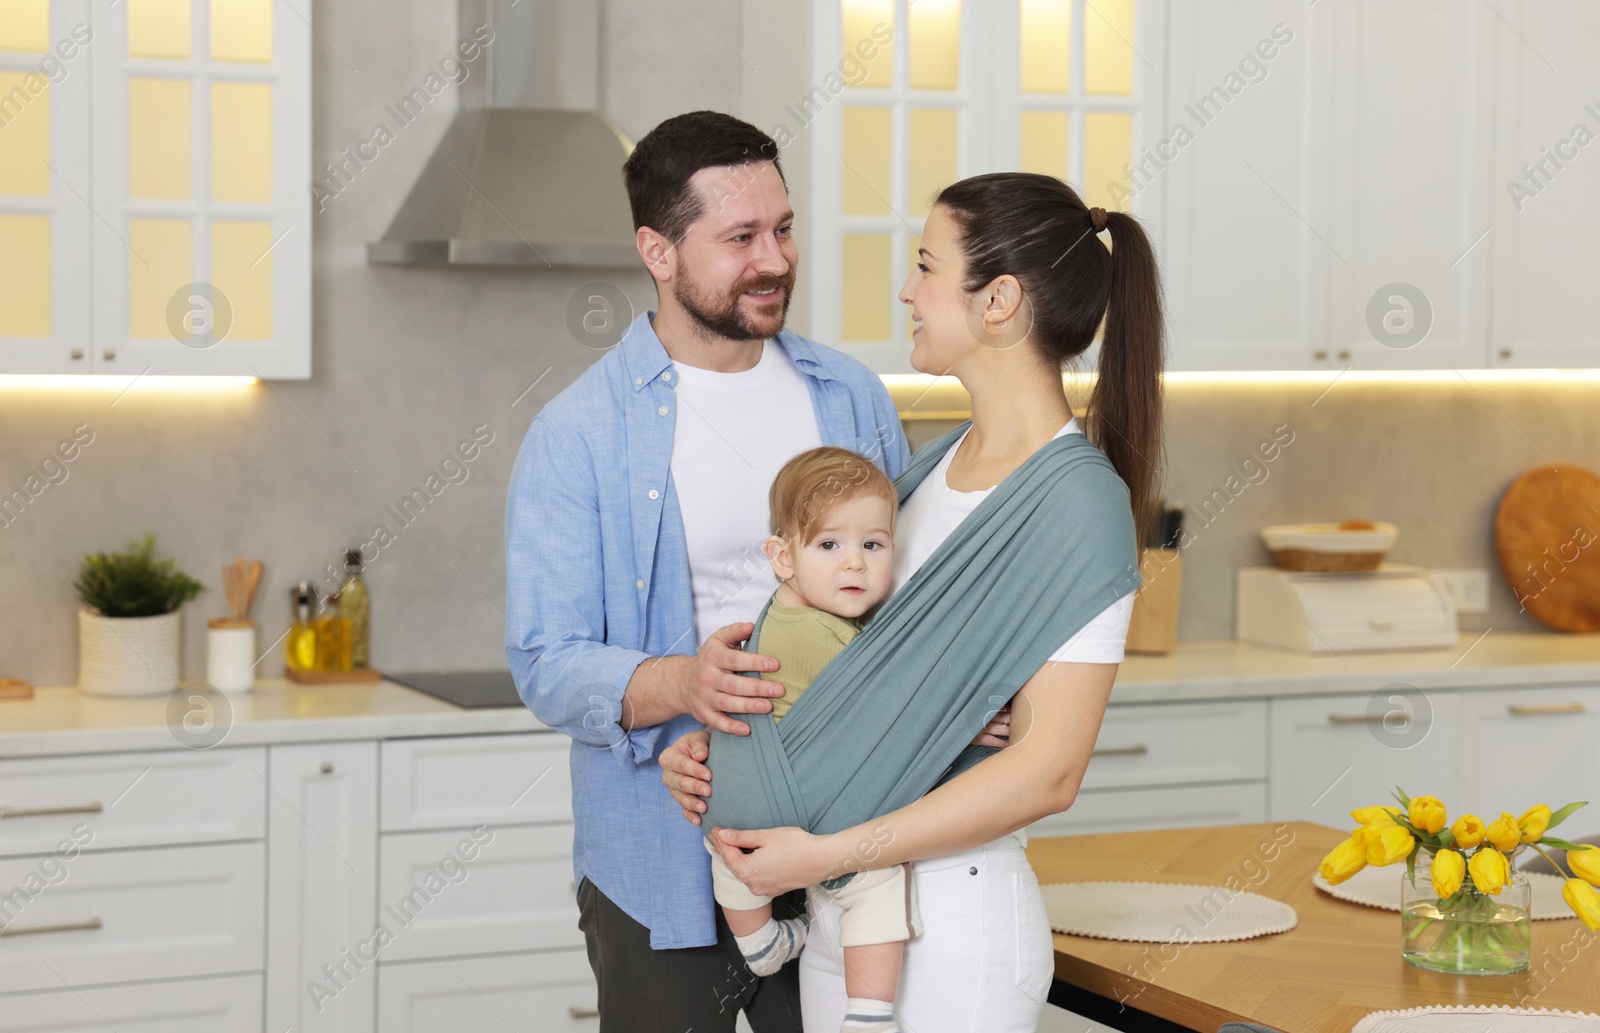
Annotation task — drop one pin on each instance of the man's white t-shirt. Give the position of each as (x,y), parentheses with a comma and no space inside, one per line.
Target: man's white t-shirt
(733,433)
(934,509)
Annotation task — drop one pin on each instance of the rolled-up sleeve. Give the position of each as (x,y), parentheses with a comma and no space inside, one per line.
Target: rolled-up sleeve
(565,671)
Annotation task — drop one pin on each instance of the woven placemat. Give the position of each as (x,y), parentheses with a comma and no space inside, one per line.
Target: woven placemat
(1380,888)
(1450,1018)
(1162,912)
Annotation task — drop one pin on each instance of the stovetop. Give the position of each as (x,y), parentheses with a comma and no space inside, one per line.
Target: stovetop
(468,689)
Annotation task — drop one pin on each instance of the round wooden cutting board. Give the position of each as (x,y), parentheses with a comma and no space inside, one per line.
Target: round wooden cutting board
(1547,533)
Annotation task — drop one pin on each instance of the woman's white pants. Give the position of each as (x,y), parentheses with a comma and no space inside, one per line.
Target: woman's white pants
(984,960)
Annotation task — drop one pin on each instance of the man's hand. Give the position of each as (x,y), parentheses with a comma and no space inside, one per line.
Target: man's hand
(716,690)
(686,777)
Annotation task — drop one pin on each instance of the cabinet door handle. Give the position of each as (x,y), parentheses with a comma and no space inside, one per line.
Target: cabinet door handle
(34,812)
(59,927)
(583,1013)
(1525,709)
(1136,750)
(1355,719)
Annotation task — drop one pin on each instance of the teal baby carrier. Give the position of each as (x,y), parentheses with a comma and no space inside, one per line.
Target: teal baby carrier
(894,714)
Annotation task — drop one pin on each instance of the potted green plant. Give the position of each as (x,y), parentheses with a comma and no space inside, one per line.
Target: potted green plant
(130,625)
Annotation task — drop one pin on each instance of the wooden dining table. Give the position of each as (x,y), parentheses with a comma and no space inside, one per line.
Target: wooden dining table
(1339,963)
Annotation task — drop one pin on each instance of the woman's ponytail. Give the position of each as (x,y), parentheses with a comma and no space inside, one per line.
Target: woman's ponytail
(1125,407)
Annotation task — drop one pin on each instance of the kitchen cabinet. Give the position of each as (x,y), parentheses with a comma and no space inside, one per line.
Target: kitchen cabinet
(1408,179)
(490,993)
(1545,185)
(176,237)
(1332,754)
(132,915)
(321,872)
(1168,765)
(44,185)
(1530,746)
(227,1004)
(1327,186)
(1241,176)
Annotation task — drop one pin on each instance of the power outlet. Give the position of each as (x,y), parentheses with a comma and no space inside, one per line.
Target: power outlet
(1469,588)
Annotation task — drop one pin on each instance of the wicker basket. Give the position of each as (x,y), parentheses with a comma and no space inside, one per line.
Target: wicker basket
(1327,562)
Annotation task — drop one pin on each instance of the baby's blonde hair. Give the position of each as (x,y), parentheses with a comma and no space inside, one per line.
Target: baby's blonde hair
(816,480)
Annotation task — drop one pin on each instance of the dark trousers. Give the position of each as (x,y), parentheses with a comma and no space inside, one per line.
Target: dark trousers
(670,991)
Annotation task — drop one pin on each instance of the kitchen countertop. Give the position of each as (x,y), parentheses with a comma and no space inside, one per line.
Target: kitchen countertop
(1225,669)
(60,719)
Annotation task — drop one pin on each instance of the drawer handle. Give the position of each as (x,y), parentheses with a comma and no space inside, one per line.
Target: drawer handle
(60,927)
(1524,709)
(583,1013)
(34,812)
(1136,750)
(1355,719)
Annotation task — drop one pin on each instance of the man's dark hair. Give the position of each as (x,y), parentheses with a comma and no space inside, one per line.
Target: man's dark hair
(657,172)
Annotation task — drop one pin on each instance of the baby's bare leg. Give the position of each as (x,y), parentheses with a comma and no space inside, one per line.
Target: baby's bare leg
(872,970)
(743,923)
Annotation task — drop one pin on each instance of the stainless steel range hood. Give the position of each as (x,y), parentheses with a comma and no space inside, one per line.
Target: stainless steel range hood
(538,184)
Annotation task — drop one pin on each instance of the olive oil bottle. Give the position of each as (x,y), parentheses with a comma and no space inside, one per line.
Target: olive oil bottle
(300,648)
(356,604)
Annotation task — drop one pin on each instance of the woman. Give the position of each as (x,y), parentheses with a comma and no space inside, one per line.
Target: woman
(1011,284)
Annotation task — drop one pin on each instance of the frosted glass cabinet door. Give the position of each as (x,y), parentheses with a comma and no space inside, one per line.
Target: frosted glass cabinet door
(201,155)
(44,187)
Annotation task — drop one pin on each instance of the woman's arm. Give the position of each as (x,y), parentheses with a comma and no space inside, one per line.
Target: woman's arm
(1055,719)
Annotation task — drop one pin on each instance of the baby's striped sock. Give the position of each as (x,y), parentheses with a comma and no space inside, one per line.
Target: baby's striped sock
(865,1015)
(773,945)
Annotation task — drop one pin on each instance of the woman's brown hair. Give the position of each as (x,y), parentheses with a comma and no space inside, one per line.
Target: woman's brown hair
(1037,229)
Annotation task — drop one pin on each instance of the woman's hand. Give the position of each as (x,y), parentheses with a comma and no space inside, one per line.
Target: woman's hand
(997,732)
(785,858)
(686,777)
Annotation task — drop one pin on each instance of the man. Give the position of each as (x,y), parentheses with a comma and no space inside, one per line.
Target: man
(634,525)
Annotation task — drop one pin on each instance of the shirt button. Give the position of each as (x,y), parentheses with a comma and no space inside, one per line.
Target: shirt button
(662,410)
(654,494)
(638,584)
(638,380)
(666,376)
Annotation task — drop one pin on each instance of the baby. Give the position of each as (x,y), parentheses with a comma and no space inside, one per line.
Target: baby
(832,549)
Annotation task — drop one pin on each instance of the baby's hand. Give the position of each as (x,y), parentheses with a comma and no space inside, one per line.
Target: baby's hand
(997,732)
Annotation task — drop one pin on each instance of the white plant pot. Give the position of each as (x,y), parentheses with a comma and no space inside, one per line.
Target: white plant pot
(128,656)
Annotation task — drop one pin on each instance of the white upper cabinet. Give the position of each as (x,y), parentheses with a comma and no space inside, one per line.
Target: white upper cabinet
(1408,181)
(1244,234)
(175,237)
(1545,185)
(1355,185)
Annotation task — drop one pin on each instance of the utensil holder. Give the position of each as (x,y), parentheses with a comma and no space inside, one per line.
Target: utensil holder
(231,654)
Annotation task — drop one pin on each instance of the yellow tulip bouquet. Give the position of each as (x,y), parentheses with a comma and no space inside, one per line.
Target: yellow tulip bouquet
(1469,857)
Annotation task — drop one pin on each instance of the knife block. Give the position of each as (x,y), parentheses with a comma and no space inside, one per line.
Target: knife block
(1153,627)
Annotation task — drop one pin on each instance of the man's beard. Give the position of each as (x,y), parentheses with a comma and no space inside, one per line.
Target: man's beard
(722,315)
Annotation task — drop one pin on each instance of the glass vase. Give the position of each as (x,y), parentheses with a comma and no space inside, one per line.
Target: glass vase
(1469,933)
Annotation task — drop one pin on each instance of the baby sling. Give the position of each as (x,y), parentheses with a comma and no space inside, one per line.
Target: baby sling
(894,714)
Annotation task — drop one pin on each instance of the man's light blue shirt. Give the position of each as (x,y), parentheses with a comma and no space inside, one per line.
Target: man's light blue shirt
(597,581)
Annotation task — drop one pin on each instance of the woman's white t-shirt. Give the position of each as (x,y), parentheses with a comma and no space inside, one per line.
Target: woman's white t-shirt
(934,509)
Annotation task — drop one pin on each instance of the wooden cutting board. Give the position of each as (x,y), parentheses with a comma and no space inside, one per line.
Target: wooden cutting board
(15,688)
(1547,532)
